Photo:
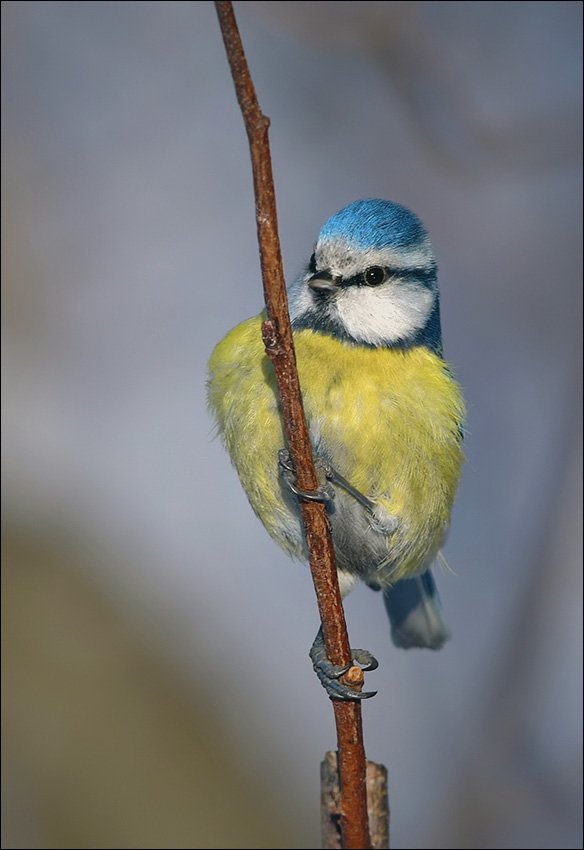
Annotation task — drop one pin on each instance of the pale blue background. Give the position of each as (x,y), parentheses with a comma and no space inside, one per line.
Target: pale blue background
(130,250)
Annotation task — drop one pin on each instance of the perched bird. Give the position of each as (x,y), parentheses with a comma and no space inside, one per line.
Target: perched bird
(384,412)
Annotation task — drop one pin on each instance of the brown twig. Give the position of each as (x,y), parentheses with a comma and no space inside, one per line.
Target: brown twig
(277,335)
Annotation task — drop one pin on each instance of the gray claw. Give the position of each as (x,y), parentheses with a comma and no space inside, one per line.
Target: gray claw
(329,674)
(324,494)
(365,659)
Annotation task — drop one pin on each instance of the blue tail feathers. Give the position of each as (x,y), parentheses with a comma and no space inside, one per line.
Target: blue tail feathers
(415,613)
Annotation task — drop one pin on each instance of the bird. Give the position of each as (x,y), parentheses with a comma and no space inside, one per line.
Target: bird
(384,411)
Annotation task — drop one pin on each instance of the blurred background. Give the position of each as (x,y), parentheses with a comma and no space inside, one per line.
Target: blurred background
(157,689)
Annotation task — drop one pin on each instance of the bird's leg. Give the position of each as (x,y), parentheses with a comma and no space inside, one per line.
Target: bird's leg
(324,492)
(380,518)
(330,674)
(335,477)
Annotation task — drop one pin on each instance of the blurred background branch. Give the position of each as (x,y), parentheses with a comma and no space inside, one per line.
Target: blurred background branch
(422,53)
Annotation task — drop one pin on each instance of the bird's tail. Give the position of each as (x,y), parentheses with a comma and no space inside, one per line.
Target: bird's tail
(415,613)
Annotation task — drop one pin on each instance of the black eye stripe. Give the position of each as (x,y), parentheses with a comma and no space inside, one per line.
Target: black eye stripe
(424,275)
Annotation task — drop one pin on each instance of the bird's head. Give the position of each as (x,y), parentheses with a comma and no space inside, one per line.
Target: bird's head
(371,279)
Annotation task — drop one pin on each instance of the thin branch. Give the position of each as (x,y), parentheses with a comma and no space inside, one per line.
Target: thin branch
(277,335)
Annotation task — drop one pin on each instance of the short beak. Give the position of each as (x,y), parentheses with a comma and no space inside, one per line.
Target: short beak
(324,282)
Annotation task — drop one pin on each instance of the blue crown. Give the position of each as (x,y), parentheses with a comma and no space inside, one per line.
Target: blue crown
(374,224)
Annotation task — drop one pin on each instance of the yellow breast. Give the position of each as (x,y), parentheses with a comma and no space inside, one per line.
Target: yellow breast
(389,420)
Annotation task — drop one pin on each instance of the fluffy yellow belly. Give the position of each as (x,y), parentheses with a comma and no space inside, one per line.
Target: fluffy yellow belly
(388,420)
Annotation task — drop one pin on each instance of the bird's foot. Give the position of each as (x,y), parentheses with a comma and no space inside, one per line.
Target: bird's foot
(324,493)
(330,674)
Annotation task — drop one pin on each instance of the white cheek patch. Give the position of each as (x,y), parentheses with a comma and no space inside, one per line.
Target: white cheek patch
(385,314)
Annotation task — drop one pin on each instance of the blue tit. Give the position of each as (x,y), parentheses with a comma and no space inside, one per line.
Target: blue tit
(384,412)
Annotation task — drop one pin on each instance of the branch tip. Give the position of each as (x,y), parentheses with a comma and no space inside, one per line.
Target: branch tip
(354,677)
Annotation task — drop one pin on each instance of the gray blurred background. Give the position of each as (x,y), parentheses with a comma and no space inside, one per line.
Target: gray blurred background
(157,690)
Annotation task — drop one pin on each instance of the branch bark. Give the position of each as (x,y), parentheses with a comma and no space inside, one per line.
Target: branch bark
(330,806)
(277,335)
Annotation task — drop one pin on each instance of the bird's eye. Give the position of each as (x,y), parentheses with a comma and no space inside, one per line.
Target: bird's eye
(374,276)
(312,264)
